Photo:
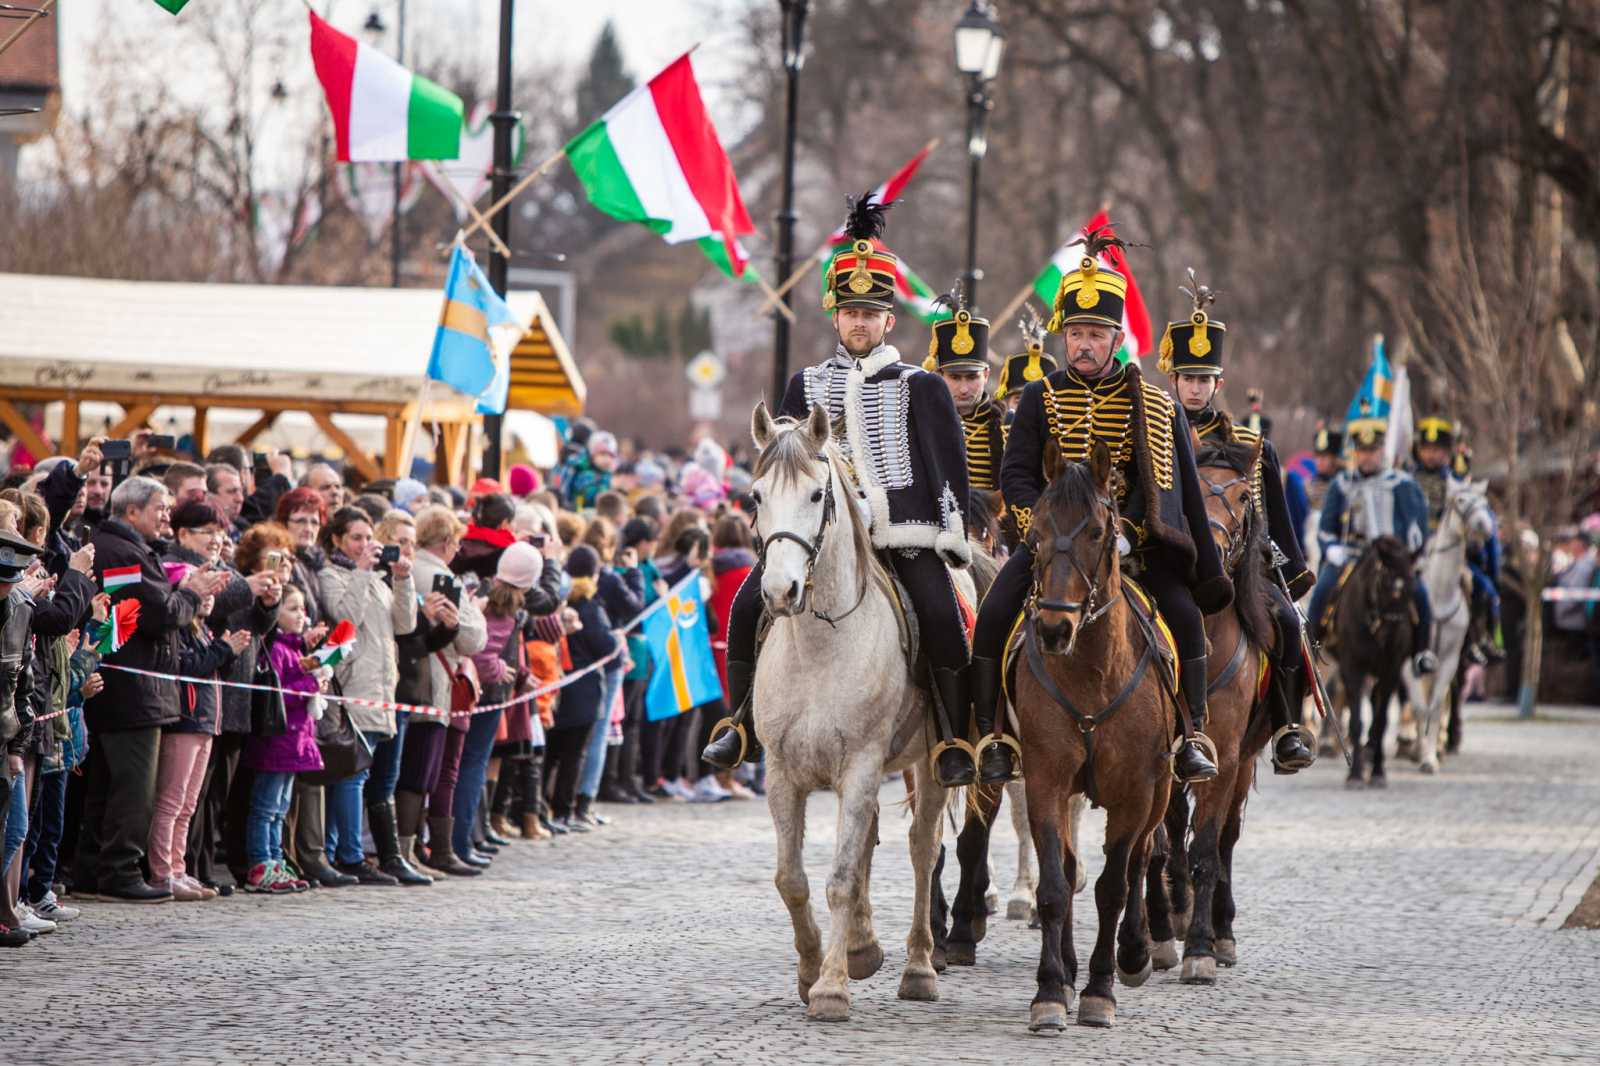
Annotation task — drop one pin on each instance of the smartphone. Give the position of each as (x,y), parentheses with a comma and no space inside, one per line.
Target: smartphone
(161,441)
(538,540)
(274,560)
(116,458)
(390,555)
(448,587)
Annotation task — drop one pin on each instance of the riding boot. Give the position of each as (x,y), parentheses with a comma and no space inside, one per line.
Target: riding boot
(386,835)
(1192,763)
(737,734)
(1289,751)
(996,759)
(954,765)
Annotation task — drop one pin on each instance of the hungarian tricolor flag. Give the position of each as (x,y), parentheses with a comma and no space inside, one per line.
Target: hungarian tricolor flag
(915,295)
(173,6)
(1137,339)
(382,113)
(116,577)
(340,643)
(889,191)
(118,626)
(655,158)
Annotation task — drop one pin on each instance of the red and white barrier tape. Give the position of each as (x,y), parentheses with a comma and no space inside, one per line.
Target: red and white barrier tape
(409,708)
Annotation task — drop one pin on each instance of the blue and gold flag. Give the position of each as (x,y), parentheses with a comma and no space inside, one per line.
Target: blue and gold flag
(472,348)
(685,672)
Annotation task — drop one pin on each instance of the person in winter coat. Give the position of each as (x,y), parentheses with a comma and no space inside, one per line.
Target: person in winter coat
(16,688)
(125,719)
(621,592)
(186,743)
(586,476)
(489,534)
(733,556)
(638,540)
(439,541)
(422,756)
(302,512)
(277,759)
(380,601)
(579,706)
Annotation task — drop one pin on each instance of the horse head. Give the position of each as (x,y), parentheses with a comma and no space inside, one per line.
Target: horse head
(1074,542)
(1225,469)
(1469,502)
(1390,591)
(794,492)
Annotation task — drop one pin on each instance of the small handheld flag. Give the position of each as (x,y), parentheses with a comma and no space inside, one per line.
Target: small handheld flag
(685,673)
(116,577)
(339,646)
(118,627)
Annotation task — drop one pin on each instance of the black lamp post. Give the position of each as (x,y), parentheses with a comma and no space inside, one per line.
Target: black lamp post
(794,27)
(505,122)
(979,44)
(375,28)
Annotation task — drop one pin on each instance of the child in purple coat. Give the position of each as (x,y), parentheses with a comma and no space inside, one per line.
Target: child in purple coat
(278,758)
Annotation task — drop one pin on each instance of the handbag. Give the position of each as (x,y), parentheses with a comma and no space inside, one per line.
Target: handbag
(345,749)
(268,715)
(464,690)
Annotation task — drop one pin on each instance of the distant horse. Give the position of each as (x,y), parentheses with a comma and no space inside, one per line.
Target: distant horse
(838,709)
(1236,721)
(1372,634)
(1095,719)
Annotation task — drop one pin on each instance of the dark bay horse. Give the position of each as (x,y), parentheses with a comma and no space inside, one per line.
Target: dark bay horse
(1372,629)
(1095,719)
(1201,863)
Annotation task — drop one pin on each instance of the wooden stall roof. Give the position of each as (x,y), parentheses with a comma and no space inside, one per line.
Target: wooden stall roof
(544,377)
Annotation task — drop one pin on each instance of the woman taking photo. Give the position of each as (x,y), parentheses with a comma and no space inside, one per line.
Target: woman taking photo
(373,591)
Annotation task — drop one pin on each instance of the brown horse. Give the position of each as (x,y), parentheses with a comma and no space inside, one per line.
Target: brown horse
(1238,638)
(1095,720)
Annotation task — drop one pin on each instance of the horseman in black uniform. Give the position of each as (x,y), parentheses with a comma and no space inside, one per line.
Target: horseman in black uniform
(1191,357)
(901,435)
(1158,496)
(1032,364)
(959,353)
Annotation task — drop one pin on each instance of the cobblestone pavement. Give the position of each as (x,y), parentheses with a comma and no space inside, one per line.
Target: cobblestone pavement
(1418,924)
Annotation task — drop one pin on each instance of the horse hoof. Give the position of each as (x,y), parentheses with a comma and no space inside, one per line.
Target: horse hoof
(991,901)
(958,954)
(941,961)
(1134,980)
(1354,783)
(864,962)
(1429,767)
(1097,1011)
(1378,781)
(805,989)
(980,928)
(1047,1019)
(1199,970)
(1164,956)
(1017,910)
(919,986)
(829,1007)
(1227,952)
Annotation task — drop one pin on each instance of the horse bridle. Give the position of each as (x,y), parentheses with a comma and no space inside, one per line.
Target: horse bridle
(1238,534)
(1062,544)
(813,547)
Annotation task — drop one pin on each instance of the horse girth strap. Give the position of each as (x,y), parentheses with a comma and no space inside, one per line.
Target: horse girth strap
(1086,723)
(1229,672)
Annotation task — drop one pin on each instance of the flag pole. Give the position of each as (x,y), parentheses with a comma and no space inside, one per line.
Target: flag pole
(448,191)
(528,179)
(408,439)
(776,295)
(40,12)
(774,299)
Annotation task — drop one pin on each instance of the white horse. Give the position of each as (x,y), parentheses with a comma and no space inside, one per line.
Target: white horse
(1466,518)
(836,708)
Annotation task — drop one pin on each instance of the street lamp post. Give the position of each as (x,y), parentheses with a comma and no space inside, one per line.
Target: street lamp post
(505,122)
(375,29)
(794,25)
(980,42)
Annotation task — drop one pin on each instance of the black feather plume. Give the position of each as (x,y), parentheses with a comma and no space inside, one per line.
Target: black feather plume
(1100,238)
(954,299)
(866,220)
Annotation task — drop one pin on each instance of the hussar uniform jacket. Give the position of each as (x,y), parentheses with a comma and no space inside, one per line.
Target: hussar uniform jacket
(984,434)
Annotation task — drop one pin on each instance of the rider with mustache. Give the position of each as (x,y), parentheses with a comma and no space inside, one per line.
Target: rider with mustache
(1191,357)
(898,430)
(1163,517)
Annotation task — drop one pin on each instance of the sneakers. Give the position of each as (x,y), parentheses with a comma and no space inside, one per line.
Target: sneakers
(207,894)
(287,877)
(31,923)
(181,890)
(49,907)
(677,789)
(737,790)
(264,878)
(707,790)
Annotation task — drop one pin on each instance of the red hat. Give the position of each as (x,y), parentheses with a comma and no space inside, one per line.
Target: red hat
(484,486)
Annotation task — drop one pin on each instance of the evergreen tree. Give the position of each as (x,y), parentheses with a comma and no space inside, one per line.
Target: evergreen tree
(606,81)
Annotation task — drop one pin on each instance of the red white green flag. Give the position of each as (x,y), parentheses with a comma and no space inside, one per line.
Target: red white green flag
(655,158)
(890,191)
(173,6)
(116,577)
(339,645)
(1137,337)
(382,113)
(118,626)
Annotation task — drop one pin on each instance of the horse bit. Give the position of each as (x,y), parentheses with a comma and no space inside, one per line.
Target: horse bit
(813,548)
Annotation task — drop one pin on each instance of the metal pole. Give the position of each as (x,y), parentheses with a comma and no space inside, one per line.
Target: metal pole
(505,120)
(794,22)
(394,219)
(977,105)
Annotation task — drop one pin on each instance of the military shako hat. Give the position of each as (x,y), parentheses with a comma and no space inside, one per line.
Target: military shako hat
(960,342)
(1093,293)
(1367,431)
(1329,440)
(861,273)
(1435,430)
(1031,364)
(1194,346)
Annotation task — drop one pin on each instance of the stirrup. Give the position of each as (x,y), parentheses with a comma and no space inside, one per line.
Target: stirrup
(1307,736)
(1207,745)
(944,746)
(991,740)
(737,727)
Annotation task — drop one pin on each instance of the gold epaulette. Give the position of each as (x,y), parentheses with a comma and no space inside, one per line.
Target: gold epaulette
(1249,437)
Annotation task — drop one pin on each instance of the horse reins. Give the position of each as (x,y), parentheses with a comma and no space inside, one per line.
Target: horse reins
(813,548)
(1236,535)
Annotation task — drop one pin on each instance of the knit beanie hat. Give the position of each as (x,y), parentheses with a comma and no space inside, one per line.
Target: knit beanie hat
(406,490)
(583,562)
(520,566)
(522,480)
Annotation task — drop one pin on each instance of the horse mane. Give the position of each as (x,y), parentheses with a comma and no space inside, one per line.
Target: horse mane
(1074,487)
(1392,555)
(790,457)
(1250,588)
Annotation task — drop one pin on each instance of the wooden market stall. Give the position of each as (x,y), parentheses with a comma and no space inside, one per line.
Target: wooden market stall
(324,351)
